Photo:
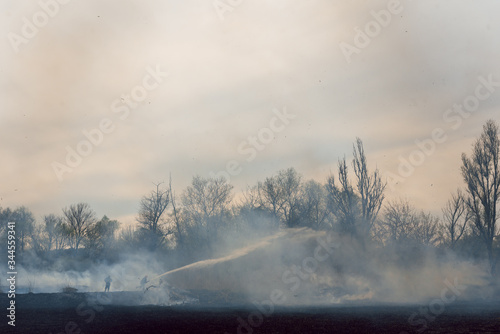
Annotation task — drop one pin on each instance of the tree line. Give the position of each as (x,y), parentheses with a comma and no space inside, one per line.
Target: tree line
(350,202)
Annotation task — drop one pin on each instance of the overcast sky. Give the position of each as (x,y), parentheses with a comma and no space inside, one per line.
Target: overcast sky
(331,70)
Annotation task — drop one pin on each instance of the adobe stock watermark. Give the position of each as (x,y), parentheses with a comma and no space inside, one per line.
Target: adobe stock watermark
(454,118)
(225,6)
(371,29)
(122,106)
(11,272)
(293,278)
(436,307)
(31,26)
(256,143)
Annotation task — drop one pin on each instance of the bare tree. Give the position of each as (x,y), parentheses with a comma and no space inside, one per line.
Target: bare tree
(399,222)
(53,233)
(456,217)
(5,217)
(51,223)
(402,223)
(251,198)
(127,237)
(370,188)
(206,205)
(39,243)
(356,211)
(481,174)
(25,224)
(151,216)
(79,218)
(280,194)
(427,229)
(342,201)
(175,215)
(313,205)
(251,217)
(101,236)
(63,236)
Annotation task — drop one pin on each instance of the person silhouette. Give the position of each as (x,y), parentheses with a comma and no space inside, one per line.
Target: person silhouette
(108,281)
(143,282)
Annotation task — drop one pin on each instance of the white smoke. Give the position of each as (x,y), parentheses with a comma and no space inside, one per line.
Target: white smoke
(300,266)
(312,267)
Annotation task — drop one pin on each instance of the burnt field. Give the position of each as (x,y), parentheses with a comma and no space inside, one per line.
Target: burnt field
(119,312)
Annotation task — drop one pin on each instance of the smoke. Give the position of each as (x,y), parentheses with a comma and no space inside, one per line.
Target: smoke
(306,267)
(290,267)
(87,277)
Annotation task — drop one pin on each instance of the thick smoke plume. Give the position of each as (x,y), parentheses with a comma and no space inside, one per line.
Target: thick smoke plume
(314,267)
(300,266)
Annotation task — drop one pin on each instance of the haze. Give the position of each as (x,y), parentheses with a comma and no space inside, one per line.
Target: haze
(229,72)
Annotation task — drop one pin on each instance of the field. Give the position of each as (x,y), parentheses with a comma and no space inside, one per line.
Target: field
(119,312)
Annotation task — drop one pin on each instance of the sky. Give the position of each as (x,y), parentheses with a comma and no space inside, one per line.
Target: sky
(99,100)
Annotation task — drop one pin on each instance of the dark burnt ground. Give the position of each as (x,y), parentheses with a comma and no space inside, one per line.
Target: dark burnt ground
(93,313)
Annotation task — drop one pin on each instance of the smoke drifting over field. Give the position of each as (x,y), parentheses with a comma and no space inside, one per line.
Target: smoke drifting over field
(126,275)
(303,266)
(290,267)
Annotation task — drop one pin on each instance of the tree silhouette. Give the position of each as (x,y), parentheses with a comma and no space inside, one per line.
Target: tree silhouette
(151,216)
(481,174)
(206,206)
(456,217)
(280,194)
(370,188)
(79,218)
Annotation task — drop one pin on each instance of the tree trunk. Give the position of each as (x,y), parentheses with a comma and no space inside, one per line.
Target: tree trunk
(491,259)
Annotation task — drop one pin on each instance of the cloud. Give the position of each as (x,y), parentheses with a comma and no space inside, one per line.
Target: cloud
(225,79)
